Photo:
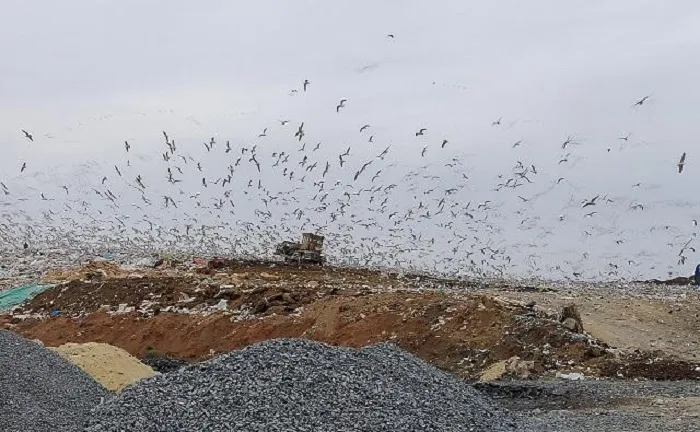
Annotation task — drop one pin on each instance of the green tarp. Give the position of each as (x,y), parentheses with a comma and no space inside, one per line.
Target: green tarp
(15,296)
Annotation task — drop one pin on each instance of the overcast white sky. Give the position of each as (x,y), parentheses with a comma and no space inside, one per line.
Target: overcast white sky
(83,76)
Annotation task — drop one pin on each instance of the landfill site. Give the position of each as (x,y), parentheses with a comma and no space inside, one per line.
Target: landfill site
(168,343)
(361,216)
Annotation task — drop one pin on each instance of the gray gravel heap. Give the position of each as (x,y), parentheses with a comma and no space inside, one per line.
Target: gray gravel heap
(163,363)
(299,385)
(39,391)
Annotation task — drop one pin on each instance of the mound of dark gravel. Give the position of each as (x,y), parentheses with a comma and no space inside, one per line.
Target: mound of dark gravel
(162,363)
(39,391)
(299,385)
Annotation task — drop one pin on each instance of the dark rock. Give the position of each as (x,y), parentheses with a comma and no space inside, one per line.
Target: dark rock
(162,363)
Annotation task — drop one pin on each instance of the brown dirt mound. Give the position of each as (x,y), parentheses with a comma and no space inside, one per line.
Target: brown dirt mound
(462,334)
(199,310)
(91,270)
(153,295)
(651,365)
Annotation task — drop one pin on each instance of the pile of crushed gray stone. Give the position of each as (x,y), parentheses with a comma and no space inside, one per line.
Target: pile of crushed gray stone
(300,385)
(40,391)
(277,385)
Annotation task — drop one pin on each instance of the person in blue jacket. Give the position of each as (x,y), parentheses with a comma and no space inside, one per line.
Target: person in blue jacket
(697,275)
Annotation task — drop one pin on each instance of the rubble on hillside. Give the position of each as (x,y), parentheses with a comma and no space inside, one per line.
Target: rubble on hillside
(193,309)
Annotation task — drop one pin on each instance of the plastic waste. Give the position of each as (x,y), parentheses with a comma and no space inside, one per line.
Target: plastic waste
(18,295)
(146,262)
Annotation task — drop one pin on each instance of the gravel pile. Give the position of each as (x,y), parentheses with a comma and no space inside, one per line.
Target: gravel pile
(163,363)
(600,406)
(39,391)
(299,385)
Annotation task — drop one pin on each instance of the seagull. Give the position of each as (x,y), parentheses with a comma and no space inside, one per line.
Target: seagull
(568,141)
(340,105)
(641,101)
(591,202)
(357,174)
(257,164)
(390,36)
(127,146)
(263,134)
(27,135)
(284,122)
(681,163)
(421,131)
(497,122)
(118,172)
(364,166)
(364,127)
(306,84)
(517,143)
(444,143)
(422,153)
(300,131)
(24,166)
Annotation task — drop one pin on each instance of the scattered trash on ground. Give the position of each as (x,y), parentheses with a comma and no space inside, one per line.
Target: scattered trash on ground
(18,295)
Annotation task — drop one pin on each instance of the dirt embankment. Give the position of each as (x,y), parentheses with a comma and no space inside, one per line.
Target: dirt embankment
(196,314)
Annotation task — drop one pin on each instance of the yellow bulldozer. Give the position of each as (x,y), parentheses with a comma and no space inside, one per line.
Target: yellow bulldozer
(309,251)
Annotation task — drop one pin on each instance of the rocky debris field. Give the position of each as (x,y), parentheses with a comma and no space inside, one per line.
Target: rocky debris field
(173,313)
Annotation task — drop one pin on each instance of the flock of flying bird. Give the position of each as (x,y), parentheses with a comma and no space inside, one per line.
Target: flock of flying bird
(244,198)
